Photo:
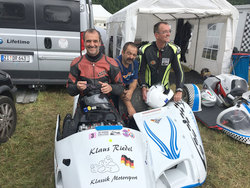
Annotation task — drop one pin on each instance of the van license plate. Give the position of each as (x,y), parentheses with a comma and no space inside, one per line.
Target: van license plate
(14,58)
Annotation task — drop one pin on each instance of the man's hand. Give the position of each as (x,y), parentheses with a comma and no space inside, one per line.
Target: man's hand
(128,94)
(177,96)
(81,85)
(144,91)
(106,88)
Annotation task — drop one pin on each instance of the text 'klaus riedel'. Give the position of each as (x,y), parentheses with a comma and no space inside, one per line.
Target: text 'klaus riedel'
(114,148)
(115,178)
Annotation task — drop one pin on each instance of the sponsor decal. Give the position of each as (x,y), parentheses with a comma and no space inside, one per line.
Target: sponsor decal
(185,120)
(115,133)
(127,161)
(114,148)
(105,165)
(107,133)
(13,41)
(103,180)
(125,133)
(103,133)
(63,43)
(128,133)
(92,135)
(132,135)
(113,179)
(118,147)
(102,73)
(156,120)
(98,150)
(124,178)
(153,62)
(165,61)
(89,108)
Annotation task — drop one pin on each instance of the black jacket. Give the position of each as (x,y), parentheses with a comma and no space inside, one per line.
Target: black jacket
(156,65)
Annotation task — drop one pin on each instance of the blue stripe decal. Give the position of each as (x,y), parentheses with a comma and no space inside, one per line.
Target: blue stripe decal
(146,128)
(247,107)
(196,99)
(109,127)
(234,132)
(172,153)
(161,145)
(194,185)
(173,139)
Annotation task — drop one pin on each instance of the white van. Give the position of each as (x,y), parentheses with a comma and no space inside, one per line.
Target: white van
(40,38)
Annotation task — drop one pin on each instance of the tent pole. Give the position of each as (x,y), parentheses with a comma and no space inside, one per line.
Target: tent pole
(196,46)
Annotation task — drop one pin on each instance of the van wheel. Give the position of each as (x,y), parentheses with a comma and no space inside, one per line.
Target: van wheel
(8,118)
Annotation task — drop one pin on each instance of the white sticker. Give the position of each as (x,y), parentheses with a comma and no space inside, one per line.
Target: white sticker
(63,43)
(165,61)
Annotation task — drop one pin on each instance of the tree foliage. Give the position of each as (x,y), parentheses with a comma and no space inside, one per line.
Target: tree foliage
(239,2)
(115,5)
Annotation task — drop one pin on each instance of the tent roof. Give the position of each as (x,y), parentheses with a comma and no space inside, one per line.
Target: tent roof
(100,13)
(176,9)
(144,13)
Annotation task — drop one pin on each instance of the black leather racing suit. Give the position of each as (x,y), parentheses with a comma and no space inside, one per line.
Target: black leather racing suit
(156,65)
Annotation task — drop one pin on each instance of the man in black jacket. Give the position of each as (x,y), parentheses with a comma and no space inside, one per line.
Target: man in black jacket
(157,60)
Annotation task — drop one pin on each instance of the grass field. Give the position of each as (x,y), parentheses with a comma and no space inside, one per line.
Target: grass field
(26,160)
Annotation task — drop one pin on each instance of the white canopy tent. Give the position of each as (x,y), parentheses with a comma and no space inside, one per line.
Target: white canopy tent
(100,15)
(214,24)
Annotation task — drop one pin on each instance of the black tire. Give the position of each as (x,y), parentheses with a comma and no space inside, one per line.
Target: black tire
(8,118)
(188,94)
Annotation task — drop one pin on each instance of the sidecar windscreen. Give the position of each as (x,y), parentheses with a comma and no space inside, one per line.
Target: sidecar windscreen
(237,120)
(98,100)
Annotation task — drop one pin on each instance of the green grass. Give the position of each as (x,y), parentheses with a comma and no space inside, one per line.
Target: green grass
(26,160)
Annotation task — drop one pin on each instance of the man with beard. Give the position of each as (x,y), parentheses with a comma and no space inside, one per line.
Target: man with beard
(94,68)
(129,69)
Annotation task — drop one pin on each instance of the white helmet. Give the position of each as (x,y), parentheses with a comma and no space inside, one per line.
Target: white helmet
(207,98)
(156,98)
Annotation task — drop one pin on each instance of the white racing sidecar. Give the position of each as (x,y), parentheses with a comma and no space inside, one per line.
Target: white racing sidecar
(95,149)
(225,106)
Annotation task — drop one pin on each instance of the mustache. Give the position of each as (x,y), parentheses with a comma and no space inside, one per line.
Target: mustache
(91,46)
